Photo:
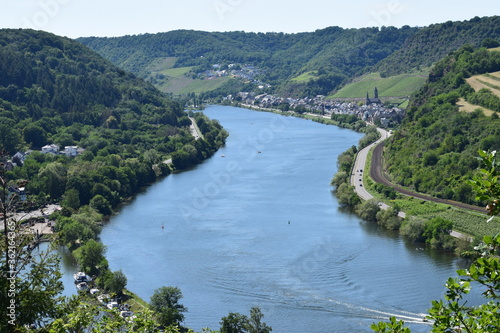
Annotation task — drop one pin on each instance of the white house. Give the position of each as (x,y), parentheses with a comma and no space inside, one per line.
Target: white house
(50,149)
(71,151)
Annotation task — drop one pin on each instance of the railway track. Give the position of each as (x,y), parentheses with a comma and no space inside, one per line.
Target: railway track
(378,175)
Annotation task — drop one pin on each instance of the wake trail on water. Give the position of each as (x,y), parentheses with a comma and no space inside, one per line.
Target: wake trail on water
(361,311)
(280,296)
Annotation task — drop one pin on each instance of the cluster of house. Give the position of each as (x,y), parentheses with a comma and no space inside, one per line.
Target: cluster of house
(370,110)
(84,283)
(70,151)
(19,157)
(245,72)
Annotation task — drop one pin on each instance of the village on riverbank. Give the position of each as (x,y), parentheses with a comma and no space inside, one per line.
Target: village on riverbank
(371,110)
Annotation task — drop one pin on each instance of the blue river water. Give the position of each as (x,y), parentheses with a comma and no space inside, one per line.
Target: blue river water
(258,225)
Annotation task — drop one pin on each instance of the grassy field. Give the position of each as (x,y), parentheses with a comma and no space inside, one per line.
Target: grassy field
(468,107)
(465,221)
(176,82)
(184,85)
(305,77)
(394,86)
(176,72)
(489,81)
(161,64)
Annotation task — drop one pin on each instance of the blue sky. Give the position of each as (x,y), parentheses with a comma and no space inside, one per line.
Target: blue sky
(77,18)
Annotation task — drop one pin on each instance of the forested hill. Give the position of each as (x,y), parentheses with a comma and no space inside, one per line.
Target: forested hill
(435,149)
(51,76)
(328,57)
(54,90)
(333,54)
(436,41)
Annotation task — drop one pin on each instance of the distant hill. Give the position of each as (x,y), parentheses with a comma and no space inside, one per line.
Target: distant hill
(436,41)
(303,64)
(334,54)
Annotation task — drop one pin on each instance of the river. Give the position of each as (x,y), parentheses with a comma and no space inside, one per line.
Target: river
(257,225)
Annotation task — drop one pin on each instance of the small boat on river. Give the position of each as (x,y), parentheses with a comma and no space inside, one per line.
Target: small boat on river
(81,277)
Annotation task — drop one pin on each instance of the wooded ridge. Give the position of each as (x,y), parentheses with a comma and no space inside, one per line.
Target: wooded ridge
(296,65)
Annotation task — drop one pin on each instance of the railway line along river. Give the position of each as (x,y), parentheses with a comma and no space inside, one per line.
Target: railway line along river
(257,225)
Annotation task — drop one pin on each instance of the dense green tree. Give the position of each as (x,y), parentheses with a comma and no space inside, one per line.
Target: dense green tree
(368,210)
(181,159)
(165,304)
(239,323)
(389,219)
(75,231)
(101,204)
(116,283)
(255,324)
(35,136)
(90,257)
(71,199)
(413,228)
(490,43)
(54,175)
(485,183)
(9,138)
(346,195)
(234,323)
(339,178)
(436,228)
(89,217)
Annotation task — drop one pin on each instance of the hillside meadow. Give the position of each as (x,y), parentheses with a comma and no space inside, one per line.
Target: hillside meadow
(395,86)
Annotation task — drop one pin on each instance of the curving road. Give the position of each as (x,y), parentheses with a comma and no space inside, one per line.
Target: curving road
(195,131)
(378,175)
(359,167)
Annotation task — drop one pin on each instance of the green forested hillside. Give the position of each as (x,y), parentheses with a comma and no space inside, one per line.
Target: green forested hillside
(333,53)
(436,41)
(434,151)
(303,64)
(54,90)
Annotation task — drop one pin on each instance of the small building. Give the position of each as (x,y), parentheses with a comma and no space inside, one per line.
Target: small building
(50,149)
(19,157)
(19,191)
(375,100)
(70,151)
